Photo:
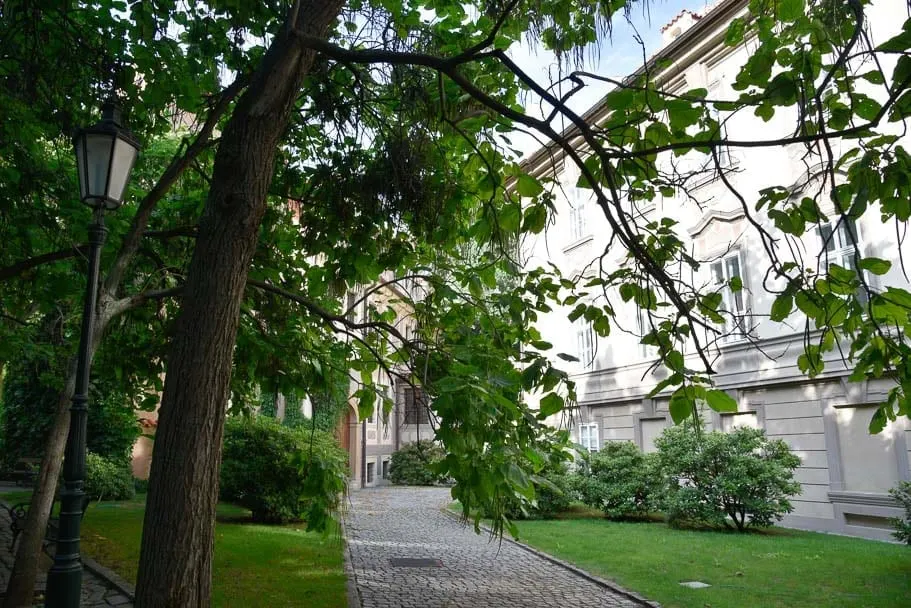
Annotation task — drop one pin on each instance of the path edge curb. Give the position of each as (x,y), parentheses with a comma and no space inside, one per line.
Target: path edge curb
(352,592)
(110,577)
(568,566)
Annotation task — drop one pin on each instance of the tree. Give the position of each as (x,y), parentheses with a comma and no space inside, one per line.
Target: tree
(391,147)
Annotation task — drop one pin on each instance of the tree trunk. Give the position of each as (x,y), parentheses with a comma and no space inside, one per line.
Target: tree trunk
(175,566)
(21,587)
(279,407)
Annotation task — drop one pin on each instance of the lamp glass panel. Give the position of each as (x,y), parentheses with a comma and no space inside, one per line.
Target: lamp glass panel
(98,153)
(80,166)
(122,165)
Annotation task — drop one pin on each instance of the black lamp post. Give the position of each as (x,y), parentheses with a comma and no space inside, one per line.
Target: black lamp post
(105,154)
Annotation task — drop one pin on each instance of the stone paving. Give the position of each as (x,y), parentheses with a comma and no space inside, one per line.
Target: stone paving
(476,572)
(96,593)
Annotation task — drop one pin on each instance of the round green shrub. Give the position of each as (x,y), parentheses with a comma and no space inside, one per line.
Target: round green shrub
(621,481)
(108,478)
(280,473)
(417,464)
(902,493)
(719,479)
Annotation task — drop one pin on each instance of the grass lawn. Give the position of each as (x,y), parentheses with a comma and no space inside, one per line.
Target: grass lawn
(780,568)
(254,565)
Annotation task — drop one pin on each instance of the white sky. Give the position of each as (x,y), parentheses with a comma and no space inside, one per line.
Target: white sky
(619,56)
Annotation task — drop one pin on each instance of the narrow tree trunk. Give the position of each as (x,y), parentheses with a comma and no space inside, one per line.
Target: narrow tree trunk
(279,407)
(21,587)
(175,566)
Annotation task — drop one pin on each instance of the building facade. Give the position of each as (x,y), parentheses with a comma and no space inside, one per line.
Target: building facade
(370,443)
(845,472)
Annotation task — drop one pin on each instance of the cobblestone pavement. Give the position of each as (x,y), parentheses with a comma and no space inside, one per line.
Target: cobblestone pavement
(95,592)
(475,572)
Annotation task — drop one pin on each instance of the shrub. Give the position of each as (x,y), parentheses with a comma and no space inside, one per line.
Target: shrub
(717,478)
(417,464)
(141,485)
(282,474)
(553,494)
(902,493)
(620,480)
(108,478)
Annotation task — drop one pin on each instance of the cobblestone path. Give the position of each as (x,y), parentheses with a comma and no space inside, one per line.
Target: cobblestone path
(95,593)
(389,523)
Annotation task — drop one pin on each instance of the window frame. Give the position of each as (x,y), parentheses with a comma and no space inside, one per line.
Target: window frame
(585,341)
(416,410)
(736,304)
(590,427)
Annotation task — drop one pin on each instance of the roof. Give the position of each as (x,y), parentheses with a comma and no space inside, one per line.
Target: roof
(718,13)
(678,16)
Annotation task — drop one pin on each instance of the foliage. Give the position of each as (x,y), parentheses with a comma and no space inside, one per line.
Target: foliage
(108,478)
(740,478)
(620,480)
(554,493)
(775,567)
(417,464)
(29,402)
(250,562)
(282,474)
(902,493)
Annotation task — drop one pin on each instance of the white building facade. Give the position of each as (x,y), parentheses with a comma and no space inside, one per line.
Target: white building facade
(845,472)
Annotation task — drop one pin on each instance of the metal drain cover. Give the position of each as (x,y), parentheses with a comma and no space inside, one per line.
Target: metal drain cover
(415,562)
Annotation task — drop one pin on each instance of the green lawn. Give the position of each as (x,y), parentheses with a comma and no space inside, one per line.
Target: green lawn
(780,568)
(254,565)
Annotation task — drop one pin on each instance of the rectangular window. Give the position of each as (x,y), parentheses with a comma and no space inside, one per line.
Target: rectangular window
(386,469)
(731,421)
(416,410)
(371,466)
(733,302)
(588,436)
(585,342)
(839,241)
(577,213)
(644,325)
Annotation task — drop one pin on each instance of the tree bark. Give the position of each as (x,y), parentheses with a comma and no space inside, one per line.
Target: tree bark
(175,566)
(21,587)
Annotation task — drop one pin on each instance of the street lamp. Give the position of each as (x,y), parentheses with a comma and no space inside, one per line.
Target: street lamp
(105,154)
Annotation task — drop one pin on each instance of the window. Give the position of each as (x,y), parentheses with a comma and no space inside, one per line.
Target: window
(371,466)
(644,325)
(588,436)
(733,302)
(731,421)
(577,213)
(416,410)
(386,469)
(723,151)
(585,342)
(838,241)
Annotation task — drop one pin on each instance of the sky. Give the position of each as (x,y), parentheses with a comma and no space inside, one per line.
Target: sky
(617,57)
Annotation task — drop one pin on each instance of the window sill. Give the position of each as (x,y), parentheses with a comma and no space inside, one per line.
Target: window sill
(576,244)
(863,498)
(712,177)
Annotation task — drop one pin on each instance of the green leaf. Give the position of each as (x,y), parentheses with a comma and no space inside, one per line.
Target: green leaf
(681,405)
(551,403)
(875,265)
(601,325)
(879,421)
(542,345)
(535,219)
(790,10)
(528,186)
(782,306)
(720,401)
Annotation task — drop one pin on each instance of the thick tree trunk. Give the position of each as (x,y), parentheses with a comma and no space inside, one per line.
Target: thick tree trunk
(176,557)
(21,586)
